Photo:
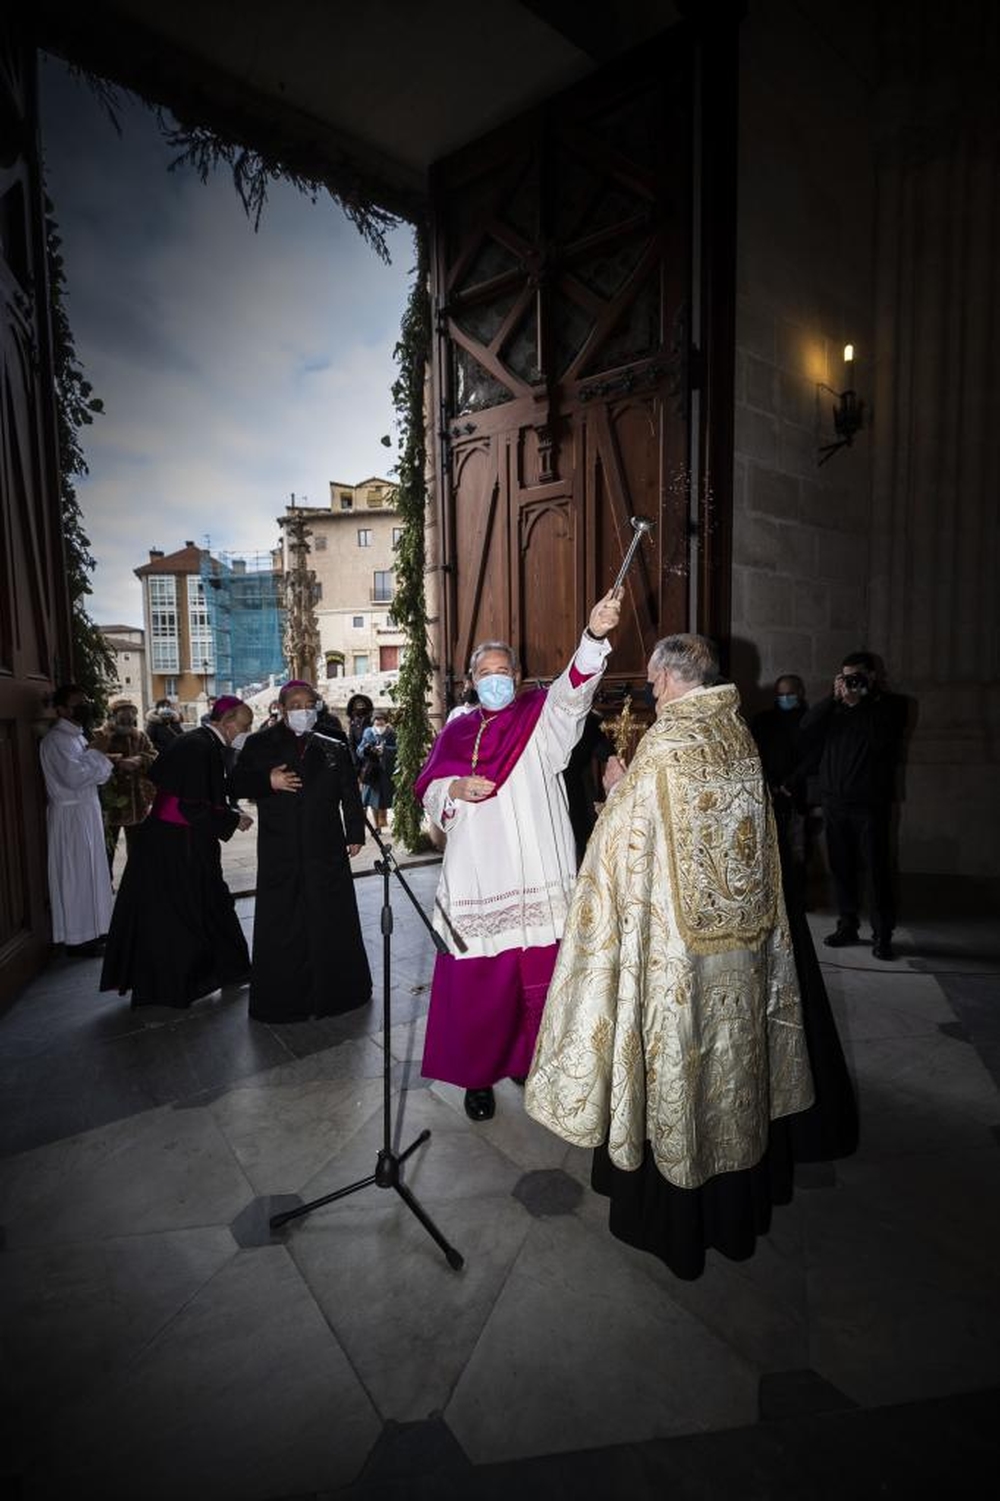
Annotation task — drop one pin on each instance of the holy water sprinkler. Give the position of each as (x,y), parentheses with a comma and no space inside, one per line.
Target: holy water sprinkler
(640,526)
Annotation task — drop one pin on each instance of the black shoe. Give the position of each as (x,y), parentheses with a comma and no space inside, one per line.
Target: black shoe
(92,950)
(480,1104)
(882,947)
(841,937)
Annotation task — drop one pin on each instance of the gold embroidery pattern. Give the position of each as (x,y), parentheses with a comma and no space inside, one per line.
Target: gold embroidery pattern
(711,794)
(674,1014)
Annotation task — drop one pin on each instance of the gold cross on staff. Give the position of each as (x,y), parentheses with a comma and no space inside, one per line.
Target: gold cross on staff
(624,731)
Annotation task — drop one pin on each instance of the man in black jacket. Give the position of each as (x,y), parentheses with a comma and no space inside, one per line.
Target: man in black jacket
(854,738)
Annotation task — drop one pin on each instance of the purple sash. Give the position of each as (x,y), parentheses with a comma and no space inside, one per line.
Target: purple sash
(504,738)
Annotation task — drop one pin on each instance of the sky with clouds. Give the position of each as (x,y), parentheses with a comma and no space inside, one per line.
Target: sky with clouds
(235,368)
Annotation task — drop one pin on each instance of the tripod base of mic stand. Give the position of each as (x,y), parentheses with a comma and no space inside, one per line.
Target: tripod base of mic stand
(386,1175)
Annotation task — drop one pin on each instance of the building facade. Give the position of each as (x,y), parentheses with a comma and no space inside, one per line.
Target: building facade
(180,659)
(352,545)
(127,644)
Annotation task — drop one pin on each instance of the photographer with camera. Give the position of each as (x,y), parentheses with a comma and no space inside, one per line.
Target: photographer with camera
(853,738)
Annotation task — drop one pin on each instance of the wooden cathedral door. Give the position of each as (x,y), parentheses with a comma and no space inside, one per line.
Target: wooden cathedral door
(562,278)
(34,633)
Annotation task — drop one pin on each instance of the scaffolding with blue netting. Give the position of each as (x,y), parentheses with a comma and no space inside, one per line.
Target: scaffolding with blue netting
(243,592)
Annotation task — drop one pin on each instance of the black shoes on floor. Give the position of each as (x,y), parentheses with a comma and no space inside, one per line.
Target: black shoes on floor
(842,936)
(480,1104)
(92,950)
(845,934)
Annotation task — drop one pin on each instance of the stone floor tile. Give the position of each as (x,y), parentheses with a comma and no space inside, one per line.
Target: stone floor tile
(886,1323)
(282,1135)
(922,1094)
(78,1314)
(583,1349)
(407,1321)
(162,1170)
(868,1006)
(511,1131)
(245,1396)
(459,1160)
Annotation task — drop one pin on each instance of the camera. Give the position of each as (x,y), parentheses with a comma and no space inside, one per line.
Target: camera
(855,682)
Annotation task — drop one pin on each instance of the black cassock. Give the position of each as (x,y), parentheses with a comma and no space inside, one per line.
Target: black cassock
(174,933)
(305,891)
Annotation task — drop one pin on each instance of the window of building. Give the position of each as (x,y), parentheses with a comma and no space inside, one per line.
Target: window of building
(388,658)
(358,622)
(382,586)
(165,647)
(364,536)
(126,656)
(346,500)
(335,664)
(170,688)
(128,682)
(397,535)
(200,631)
(319,543)
(390,622)
(360,664)
(317,590)
(375,497)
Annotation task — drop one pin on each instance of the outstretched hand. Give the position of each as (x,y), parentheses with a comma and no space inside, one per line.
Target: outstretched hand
(605,614)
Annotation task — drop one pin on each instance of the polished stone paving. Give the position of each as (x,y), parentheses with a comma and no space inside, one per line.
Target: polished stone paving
(160,1341)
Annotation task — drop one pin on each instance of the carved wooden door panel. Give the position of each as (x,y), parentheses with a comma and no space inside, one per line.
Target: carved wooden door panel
(562,274)
(34,647)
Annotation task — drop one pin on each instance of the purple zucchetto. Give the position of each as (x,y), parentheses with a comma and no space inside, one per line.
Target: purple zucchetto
(225,705)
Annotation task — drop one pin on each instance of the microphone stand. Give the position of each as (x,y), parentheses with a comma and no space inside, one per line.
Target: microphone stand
(388,1163)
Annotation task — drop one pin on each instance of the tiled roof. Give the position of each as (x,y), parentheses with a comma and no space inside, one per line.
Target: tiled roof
(186,560)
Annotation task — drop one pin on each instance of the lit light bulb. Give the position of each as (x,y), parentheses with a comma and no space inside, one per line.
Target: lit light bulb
(848,354)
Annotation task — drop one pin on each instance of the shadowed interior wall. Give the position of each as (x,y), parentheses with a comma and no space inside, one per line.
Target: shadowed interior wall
(868,212)
(804,284)
(935,542)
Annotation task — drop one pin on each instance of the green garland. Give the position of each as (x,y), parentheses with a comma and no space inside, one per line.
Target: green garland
(409,605)
(93,665)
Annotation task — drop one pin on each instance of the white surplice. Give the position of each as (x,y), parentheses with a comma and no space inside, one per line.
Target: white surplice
(79,880)
(510,862)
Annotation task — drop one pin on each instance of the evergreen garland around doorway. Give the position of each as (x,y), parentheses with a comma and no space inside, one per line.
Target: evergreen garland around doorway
(93,666)
(409,603)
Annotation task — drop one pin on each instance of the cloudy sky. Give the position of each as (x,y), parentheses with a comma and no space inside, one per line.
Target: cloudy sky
(235,368)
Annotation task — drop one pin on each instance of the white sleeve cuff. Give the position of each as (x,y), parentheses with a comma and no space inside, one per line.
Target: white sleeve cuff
(591,655)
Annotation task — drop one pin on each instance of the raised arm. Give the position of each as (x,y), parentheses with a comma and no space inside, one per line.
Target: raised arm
(571,695)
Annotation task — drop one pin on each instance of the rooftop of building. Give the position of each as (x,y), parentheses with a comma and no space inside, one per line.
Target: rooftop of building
(187,559)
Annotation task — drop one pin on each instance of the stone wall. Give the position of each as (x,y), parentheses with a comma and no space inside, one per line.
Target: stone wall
(935,539)
(804,284)
(868,212)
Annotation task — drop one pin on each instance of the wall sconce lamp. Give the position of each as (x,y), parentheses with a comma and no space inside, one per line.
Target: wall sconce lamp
(848,412)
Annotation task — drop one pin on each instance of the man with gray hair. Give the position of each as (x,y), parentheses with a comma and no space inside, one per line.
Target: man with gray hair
(672,1035)
(493,782)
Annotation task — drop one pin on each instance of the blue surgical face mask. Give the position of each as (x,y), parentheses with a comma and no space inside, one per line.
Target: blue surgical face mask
(788,700)
(496,690)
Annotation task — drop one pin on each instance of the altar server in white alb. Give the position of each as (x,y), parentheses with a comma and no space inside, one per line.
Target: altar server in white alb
(79,882)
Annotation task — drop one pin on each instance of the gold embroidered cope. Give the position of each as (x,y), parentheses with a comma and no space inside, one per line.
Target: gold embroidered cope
(674,1013)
